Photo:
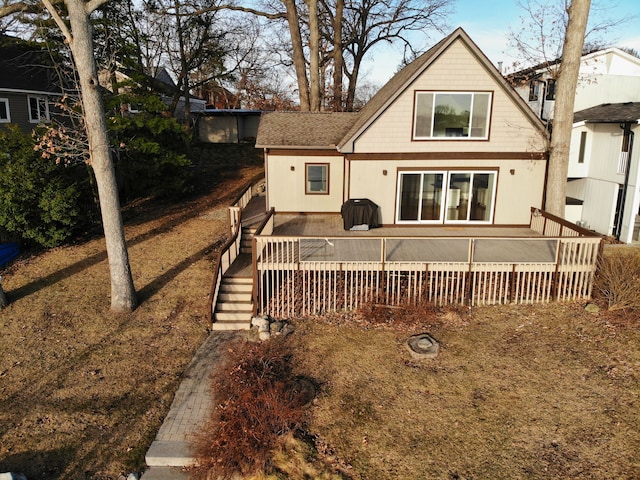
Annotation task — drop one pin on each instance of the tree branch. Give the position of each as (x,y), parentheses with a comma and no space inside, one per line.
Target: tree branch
(56,17)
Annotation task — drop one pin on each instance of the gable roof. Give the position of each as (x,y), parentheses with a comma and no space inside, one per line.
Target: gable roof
(340,130)
(405,77)
(610,113)
(26,68)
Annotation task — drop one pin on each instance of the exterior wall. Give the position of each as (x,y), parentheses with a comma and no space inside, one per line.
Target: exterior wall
(457,69)
(218,129)
(598,89)
(599,205)
(286,187)
(19,110)
(514,196)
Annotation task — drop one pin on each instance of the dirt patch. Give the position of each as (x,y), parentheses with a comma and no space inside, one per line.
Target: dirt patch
(83,391)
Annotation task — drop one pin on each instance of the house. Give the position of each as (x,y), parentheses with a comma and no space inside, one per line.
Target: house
(161,83)
(606,76)
(29,85)
(433,192)
(446,141)
(227,125)
(602,183)
(604,174)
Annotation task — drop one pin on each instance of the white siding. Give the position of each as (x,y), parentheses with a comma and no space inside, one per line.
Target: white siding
(515,193)
(457,69)
(286,187)
(599,205)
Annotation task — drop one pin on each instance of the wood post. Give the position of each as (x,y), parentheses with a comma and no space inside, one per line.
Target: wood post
(4,301)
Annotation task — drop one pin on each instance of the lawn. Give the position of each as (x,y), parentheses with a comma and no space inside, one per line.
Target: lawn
(83,391)
(531,392)
(517,392)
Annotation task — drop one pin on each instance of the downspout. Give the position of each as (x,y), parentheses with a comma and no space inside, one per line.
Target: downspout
(630,134)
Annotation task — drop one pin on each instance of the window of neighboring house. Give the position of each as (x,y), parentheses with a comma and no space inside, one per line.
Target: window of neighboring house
(446,115)
(317,178)
(38,109)
(583,145)
(551,90)
(134,107)
(5,114)
(534,91)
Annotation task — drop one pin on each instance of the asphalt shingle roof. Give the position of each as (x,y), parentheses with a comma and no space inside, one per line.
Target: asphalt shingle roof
(26,67)
(304,129)
(609,113)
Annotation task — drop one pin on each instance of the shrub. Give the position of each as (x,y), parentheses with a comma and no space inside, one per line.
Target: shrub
(618,279)
(42,201)
(150,149)
(256,406)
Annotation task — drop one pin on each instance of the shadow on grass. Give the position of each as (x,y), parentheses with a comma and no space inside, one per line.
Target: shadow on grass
(171,222)
(39,464)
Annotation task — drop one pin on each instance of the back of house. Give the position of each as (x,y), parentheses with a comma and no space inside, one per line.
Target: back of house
(447,141)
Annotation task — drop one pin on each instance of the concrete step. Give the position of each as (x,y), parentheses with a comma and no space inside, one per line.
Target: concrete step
(164,473)
(169,454)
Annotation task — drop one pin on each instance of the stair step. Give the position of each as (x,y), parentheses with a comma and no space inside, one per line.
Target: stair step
(237,280)
(236,288)
(242,297)
(234,307)
(220,325)
(238,316)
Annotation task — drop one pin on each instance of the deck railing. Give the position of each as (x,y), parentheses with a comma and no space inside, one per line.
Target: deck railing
(303,276)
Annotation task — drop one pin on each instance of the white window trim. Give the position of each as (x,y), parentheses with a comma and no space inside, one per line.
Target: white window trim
(449,139)
(8,119)
(46,108)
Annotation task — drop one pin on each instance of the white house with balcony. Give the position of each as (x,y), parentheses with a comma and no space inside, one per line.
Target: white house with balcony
(603,187)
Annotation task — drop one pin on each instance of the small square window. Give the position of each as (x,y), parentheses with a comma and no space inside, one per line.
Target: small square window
(317,178)
(5,114)
(38,109)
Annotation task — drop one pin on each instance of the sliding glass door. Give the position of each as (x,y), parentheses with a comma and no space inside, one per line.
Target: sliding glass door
(467,197)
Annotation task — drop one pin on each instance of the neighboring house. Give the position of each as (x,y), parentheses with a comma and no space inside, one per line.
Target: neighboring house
(446,141)
(162,84)
(29,86)
(606,76)
(227,125)
(604,176)
(602,181)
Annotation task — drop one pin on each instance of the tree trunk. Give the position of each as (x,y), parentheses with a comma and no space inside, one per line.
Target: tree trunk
(314,56)
(563,109)
(4,301)
(298,55)
(123,295)
(353,81)
(338,59)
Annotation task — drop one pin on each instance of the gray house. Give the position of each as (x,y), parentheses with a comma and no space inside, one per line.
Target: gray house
(29,85)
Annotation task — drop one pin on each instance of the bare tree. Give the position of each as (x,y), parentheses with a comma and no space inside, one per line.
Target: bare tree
(578,13)
(78,35)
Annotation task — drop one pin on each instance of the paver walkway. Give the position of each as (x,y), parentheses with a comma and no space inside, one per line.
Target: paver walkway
(190,408)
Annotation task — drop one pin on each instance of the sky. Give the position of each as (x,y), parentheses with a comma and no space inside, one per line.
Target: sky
(488,22)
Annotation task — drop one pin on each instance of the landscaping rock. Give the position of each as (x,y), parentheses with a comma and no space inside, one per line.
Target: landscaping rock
(276,327)
(264,335)
(592,308)
(12,476)
(287,329)
(423,346)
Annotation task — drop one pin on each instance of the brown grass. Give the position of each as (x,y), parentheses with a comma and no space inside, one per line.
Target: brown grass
(517,392)
(83,391)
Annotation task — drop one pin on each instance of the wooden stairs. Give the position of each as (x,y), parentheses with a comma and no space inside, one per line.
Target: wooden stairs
(234,307)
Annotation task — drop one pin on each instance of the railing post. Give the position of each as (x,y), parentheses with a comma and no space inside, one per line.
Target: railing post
(469,288)
(556,275)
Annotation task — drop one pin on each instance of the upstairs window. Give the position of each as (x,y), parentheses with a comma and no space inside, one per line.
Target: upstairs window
(447,115)
(5,115)
(38,109)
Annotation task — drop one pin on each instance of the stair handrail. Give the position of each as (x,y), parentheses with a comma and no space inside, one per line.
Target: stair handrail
(220,269)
